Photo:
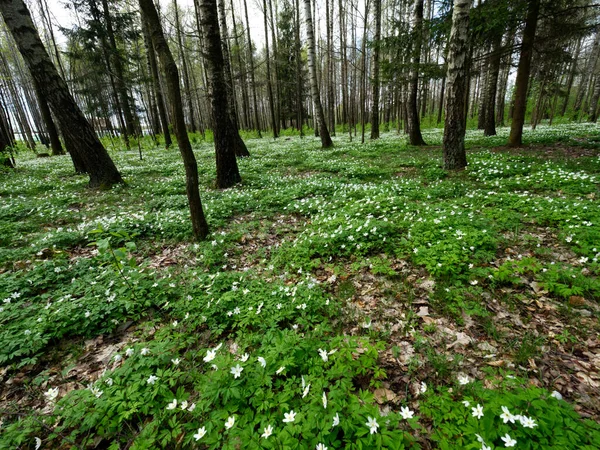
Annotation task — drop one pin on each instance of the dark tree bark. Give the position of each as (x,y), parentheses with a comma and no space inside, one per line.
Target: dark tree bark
(225,134)
(269,83)
(158,92)
(414,127)
(587,73)
(489,105)
(252,75)
(80,139)
(593,108)
(326,141)
(150,17)
(456,78)
(184,70)
(375,82)
(298,50)
(516,128)
(55,144)
(240,147)
(571,78)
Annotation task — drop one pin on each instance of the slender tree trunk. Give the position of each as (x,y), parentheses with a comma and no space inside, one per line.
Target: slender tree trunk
(489,106)
(227,169)
(158,92)
(375,82)
(329,6)
(242,72)
(441,107)
(277,95)
(571,77)
(587,73)
(344,66)
(593,108)
(414,127)
(268,64)
(326,141)
(80,139)
(516,129)
(252,75)
(240,148)
(55,144)
(150,17)
(455,123)
(184,69)
(299,95)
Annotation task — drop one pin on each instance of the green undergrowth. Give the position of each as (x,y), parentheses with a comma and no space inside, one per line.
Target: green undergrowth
(238,341)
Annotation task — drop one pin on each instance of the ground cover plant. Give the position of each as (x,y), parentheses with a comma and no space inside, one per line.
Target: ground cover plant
(357,297)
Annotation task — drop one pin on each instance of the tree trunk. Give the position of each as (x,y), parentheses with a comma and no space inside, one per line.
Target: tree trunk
(80,139)
(489,106)
(240,148)
(227,169)
(55,144)
(326,141)
(593,108)
(571,77)
(242,73)
(117,64)
(414,127)
(158,92)
(344,66)
(587,73)
(375,82)
(456,78)
(268,74)
(252,77)
(516,128)
(150,17)
(184,69)
(298,50)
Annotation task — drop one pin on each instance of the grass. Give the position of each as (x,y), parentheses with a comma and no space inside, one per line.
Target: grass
(370,251)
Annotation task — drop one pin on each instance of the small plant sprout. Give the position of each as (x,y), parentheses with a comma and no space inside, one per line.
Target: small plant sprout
(372,424)
(200,434)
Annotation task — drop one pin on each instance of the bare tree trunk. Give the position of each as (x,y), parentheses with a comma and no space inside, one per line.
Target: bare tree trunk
(344,66)
(242,72)
(184,69)
(375,82)
(489,106)
(414,127)
(516,129)
(252,75)
(158,92)
(593,108)
(55,144)
(150,16)
(587,73)
(225,140)
(571,77)
(298,49)
(455,123)
(240,148)
(80,139)
(269,83)
(326,141)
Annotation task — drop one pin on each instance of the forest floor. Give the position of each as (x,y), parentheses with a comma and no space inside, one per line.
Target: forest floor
(351,285)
